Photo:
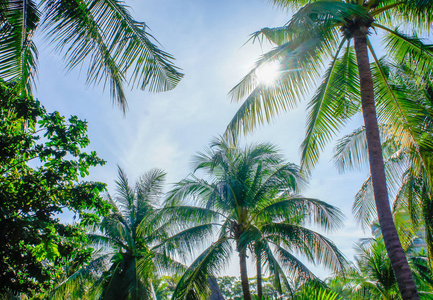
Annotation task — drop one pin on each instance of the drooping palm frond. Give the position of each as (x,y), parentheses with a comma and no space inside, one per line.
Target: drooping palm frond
(349,152)
(336,100)
(194,284)
(409,49)
(163,264)
(415,13)
(18,53)
(311,36)
(364,207)
(187,242)
(76,284)
(305,209)
(104,32)
(276,266)
(314,246)
(299,66)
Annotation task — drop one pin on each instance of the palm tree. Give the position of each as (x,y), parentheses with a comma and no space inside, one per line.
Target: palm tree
(249,201)
(130,236)
(101,32)
(409,172)
(323,30)
(372,277)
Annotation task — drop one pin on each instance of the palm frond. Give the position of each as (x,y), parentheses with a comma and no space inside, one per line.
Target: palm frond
(164,264)
(414,12)
(350,151)
(124,194)
(300,63)
(336,100)
(149,187)
(364,207)
(409,48)
(100,240)
(314,246)
(294,266)
(18,64)
(193,187)
(186,242)
(79,279)
(306,209)
(276,269)
(194,284)
(286,178)
(115,43)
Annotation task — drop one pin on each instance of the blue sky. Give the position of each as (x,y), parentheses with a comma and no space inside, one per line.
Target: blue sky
(165,130)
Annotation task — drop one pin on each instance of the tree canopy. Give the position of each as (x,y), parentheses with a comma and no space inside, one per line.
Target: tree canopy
(41,165)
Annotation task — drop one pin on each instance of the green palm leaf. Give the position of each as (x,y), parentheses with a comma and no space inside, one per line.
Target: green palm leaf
(194,284)
(18,54)
(336,100)
(313,245)
(104,32)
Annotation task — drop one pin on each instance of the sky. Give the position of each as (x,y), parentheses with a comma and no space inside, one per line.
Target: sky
(165,130)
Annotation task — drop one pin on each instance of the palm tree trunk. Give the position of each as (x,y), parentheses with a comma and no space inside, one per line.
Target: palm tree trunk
(244,275)
(259,276)
(395,251)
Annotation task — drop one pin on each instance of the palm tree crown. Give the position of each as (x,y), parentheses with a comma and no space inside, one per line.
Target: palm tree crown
(249,201)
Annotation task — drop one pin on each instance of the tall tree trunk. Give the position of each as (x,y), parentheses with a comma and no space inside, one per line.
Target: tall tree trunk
(396,254)
(215,291)
(259,276)
(244,275)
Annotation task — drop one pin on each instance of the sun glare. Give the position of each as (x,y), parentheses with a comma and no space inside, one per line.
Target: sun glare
(268,73)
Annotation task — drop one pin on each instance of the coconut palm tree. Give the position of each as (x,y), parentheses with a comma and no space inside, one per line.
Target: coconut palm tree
(248,200)
(129,236)
(372,277)
(408,171)
(323,31)
(117,48)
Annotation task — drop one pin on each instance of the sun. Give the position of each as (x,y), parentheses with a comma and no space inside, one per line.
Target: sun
(268,73)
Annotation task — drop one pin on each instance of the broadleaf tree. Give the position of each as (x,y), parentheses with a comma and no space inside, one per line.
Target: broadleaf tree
(42,169)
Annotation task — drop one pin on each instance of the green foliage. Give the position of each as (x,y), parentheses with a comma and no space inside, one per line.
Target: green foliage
(129,238)
(307,43)
(315,291)
(372,277)
(118,49)
(249,202)
(232,290)
(41,166)
(407,154)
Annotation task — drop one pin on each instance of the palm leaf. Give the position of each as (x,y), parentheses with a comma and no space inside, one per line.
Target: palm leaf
(314,246)
(18,22)
(409,48)
(300,64)
(336,100)
(104,31)
(186,242)
(308,209)
(194,284)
